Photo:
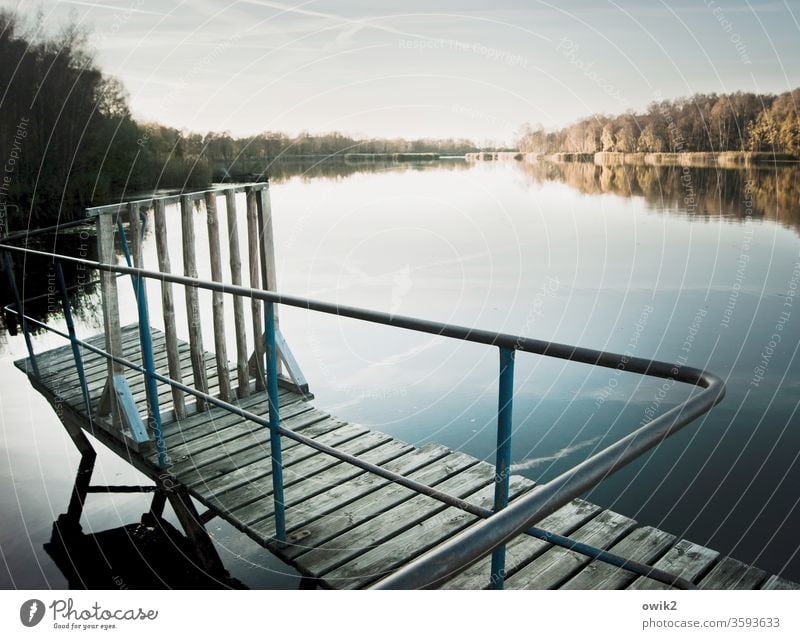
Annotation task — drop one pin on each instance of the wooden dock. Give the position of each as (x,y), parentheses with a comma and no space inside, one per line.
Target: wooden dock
(348,528)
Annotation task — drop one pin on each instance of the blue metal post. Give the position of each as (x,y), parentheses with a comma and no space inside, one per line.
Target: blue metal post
(274,422)
(148,361)
(76,353)
(126,249)
(150,369)
(21,313)
(147,353)
(503,462)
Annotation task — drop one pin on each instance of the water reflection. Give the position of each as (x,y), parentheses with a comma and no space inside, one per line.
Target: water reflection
(36,280)
(757,193)
(477,244)
(307,169)
(151,553)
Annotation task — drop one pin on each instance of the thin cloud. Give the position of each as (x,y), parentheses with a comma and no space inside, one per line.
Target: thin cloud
(111,7)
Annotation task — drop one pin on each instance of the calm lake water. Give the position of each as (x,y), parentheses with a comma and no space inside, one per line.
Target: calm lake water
(667,263)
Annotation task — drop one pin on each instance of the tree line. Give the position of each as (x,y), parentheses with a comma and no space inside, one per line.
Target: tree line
(737,121)
(68,140)
(66,133)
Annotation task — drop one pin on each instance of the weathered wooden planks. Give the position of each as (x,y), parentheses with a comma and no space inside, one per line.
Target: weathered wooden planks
(778,583)
(217,300)
(524,548)
(685,559)
(348,527)
(253,251)
(168,307)
(111,324)
(730,573)
(408,544)
(645,545)
(242,371)
(192,302)
(339,507)
(558,564)
(360,539)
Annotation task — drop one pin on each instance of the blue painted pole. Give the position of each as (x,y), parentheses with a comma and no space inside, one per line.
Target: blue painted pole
(150,369)
(503,460)
(126,250)
(76,353)
(274,422)
(147,352)
(21,313)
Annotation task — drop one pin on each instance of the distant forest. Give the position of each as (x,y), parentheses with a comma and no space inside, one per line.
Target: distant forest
(68,139)
(704,122)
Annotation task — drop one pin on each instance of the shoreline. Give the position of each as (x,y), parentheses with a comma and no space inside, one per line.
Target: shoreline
(726,159)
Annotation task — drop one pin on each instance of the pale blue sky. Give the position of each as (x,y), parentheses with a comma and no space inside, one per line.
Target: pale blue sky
(413,68)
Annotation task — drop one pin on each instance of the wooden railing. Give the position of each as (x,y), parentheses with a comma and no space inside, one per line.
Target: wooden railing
(260,260)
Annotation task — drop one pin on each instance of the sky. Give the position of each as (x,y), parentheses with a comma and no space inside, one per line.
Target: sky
(425,69)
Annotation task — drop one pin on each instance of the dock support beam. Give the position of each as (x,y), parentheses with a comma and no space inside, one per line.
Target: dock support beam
(192,525)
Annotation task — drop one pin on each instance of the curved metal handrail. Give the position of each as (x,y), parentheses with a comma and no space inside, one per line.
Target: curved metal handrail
(437,566)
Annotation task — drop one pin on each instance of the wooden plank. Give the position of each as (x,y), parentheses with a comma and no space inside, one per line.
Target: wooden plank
(363,502)
(310,425)
(164,395)
(110,301)
(217,301)
(211,465)
(196,425)
(311,476)
(95,374)
(247,504)
(558,564)
(92,361)
(60,358)
(138,388)
(685,559)
(270,282)
(95,365)
(96,380)
(779,583)
(269,273)
(336,497)
(255,305)
(424,535)
(233,436)
(730,574)
(645,545)
(168,307)
(192,304)
(242,372)
(523,549)
(243,488)
(377,530)
(192,427)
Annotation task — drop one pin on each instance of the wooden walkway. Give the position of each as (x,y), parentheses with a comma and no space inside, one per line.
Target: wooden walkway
(348,528)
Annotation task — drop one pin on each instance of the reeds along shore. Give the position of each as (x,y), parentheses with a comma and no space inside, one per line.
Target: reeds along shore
(608,158)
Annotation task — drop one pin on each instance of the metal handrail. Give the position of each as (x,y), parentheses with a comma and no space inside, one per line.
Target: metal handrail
(490,535)
(605,359)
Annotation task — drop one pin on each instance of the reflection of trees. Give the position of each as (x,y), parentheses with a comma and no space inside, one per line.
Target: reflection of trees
(335,168)
(37,284)
(768,193)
